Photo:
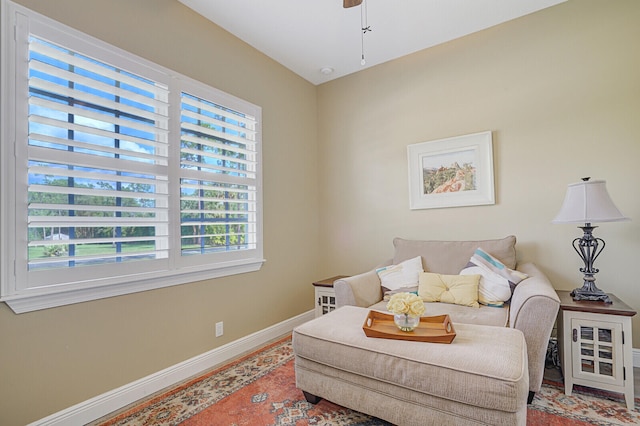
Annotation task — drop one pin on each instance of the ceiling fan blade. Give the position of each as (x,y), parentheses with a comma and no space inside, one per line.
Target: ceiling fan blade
(351,3)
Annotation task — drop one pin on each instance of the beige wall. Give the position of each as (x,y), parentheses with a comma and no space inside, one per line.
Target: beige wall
(52,359)
(560,89)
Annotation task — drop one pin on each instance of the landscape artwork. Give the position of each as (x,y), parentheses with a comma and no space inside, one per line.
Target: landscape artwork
(451,172)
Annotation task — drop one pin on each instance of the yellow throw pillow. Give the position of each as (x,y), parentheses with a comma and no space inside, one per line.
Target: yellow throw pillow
(456,289)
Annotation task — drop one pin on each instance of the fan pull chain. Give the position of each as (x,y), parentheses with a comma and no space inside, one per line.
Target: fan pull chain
(365,28)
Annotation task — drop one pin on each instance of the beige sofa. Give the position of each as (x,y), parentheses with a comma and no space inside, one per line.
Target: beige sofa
(532,308)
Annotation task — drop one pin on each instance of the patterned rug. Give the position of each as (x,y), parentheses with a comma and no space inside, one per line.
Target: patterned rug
(259,389)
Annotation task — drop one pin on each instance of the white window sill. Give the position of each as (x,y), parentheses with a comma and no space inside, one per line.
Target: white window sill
(34,302)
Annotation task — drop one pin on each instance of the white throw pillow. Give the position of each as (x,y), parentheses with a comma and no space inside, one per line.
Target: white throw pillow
(405,274)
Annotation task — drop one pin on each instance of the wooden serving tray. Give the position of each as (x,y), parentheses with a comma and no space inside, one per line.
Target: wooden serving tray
(436,329)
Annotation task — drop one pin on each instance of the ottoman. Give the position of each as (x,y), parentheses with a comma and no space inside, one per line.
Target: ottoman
(481,378)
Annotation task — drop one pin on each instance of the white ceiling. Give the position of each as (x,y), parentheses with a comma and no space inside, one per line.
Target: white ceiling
(308,35)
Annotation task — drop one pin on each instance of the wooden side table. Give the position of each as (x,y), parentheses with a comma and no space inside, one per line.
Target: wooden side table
(595,345)
(325,295)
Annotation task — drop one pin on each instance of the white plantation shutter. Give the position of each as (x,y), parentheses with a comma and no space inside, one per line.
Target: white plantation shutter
(218,178)
(118,175)
(98,162)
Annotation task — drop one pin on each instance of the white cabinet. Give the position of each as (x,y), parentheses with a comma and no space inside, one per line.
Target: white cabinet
(325,295)
(596,345)
(325,300)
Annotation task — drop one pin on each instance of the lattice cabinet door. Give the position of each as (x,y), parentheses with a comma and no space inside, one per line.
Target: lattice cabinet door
(325,295)
(597,351)
(595,345)
(325,300)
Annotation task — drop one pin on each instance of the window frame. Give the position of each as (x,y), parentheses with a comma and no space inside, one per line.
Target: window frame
(16,25)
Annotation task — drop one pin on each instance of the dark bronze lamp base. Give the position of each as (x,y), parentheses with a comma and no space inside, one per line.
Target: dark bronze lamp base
(590,295)
(589,248)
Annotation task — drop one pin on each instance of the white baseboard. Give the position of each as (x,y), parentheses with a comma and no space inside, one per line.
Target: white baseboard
(111,401)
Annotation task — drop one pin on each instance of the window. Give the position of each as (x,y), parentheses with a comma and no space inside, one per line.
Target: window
(118,175)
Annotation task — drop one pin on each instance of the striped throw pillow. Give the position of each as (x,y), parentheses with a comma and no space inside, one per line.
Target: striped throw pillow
(497,282)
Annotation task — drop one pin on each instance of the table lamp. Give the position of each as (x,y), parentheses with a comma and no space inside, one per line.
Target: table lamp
(588,202)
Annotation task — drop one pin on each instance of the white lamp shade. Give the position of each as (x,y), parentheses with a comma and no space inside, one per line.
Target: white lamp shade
(588,202)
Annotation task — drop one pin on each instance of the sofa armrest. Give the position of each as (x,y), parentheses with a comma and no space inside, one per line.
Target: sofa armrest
(359,290)
(534,308)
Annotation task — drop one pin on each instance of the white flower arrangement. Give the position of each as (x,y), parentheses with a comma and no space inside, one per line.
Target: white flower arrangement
(406,303)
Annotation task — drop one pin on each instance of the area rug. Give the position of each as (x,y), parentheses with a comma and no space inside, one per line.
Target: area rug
(260,389)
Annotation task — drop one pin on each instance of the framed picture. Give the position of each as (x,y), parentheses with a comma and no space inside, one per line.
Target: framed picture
(451,172)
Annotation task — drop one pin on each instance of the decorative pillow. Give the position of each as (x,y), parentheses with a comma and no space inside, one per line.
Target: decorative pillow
(497,282)
(404,274)
(456,289)
(388,293)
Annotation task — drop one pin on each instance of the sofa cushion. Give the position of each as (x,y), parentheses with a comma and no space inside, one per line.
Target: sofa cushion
(455,289)
(484,315)
(497,282)
(404,274)
(450,257)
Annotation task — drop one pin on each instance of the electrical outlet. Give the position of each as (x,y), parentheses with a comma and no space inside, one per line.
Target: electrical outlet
(219,329)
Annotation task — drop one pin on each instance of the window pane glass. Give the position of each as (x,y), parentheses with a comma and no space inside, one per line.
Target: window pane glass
(587,365)
(586,349)
(218,188)
(97,173)
(216,217)
(586,333)
(605,352)
(605,335)
(606,368)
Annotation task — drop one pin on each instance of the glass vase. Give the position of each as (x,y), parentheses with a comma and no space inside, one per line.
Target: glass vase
(406,322)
